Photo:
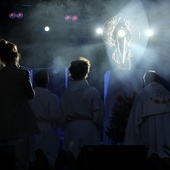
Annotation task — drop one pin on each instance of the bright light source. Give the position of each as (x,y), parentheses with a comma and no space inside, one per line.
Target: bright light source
(75,18)
(99,30)
(121,33)
(67,18)
(12,15)
(47,28)
(20,15)
(149,33)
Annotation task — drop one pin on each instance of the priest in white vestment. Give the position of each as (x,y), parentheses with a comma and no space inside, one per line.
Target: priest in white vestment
(149,120)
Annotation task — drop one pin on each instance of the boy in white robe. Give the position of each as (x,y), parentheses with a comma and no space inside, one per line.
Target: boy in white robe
(81,110)
(45,108)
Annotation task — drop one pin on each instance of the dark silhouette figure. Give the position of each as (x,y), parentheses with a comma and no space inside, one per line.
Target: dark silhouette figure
(17,121)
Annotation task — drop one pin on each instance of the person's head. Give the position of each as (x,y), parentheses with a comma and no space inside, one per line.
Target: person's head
(79,69)
(150,76)
(41,78)
(6,46)
(11,58)
(8,52)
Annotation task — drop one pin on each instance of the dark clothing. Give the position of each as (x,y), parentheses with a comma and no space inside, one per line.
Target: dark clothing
(16,118)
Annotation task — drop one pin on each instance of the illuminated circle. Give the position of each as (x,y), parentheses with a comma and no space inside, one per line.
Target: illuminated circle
(99,30)
(12,15)
(47,28)
(149,33)
(121,33)
(74,18)
(67,17)
(20,15)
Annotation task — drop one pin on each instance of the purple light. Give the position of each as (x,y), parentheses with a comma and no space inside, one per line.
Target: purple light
(12,15)
(20,15)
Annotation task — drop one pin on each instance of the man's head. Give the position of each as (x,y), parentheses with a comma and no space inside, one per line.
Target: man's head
(41,78)
(150,76)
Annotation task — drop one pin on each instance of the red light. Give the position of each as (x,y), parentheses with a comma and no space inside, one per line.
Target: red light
(20,15)
(67,17)
(74,18)
(12,15)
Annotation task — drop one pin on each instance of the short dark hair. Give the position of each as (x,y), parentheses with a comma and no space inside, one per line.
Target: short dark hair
(150,76)
(41,78)
(79,69)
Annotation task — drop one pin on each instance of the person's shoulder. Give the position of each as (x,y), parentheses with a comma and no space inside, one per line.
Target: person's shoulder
(22,74)
(15,70)
(142,95)
(51,94)
(141,91)
(54,95)
(23,71)
(92,89)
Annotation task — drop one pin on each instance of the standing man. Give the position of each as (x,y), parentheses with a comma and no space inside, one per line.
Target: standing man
(149,120)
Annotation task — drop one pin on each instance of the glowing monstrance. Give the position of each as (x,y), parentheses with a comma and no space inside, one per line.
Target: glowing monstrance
(118,35)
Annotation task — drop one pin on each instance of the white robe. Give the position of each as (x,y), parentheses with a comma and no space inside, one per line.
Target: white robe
(82,110)
(149,120)
(45,108)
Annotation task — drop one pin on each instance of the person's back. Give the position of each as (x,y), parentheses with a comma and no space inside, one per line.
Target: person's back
(14,76)
(150,117)
(16,86)
(81,108)
(17,122)
(45,108)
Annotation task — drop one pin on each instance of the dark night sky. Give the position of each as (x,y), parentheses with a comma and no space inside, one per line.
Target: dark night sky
(69,40)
